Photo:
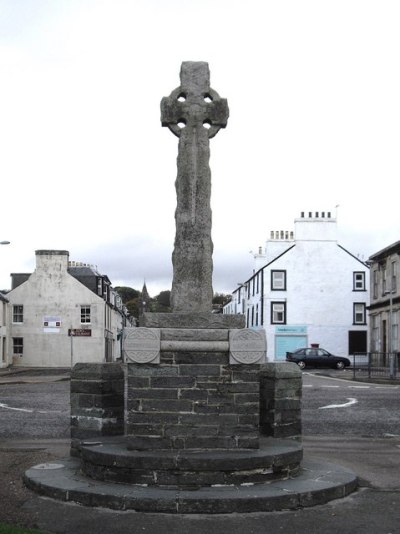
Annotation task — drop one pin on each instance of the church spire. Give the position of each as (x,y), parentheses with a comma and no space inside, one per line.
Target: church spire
(144,303)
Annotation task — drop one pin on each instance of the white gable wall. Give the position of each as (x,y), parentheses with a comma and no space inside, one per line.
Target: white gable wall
(52,291)
(319,294)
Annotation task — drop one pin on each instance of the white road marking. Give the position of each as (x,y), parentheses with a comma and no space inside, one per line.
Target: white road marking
(331,386)
(345,405)
(359,387)
(3,405)
(17,409)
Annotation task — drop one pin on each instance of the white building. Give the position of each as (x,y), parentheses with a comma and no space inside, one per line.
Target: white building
(306,289)
(62,314)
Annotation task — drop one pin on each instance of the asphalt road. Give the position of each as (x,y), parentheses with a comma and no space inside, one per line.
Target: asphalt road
(333,406)
(34,410)
(352,424)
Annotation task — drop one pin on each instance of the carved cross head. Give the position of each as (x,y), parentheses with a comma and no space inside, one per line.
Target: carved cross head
(194,104)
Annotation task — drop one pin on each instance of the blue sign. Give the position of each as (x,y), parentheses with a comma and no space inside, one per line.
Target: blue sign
(291,330)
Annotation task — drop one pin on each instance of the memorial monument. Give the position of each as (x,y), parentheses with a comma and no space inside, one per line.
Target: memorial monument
(196,420)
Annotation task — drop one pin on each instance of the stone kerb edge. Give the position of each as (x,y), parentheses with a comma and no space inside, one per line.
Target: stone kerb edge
(247,346)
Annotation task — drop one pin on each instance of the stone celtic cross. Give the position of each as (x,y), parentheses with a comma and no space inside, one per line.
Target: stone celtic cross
(194,112)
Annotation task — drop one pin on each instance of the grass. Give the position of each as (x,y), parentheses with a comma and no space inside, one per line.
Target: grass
(9,529)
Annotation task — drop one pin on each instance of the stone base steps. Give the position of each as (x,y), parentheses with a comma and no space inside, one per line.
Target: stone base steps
(112,460)
(317,483)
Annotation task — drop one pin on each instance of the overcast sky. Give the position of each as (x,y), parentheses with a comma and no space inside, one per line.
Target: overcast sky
(313,89)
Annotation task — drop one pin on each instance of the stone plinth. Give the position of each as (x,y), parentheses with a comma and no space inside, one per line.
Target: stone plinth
(280,400)
(205,320)
(97,402)
(111,461)
(193,401)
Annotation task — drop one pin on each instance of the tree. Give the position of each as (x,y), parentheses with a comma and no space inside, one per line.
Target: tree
(133,307)
(161,303)
(127,293)
(221,299)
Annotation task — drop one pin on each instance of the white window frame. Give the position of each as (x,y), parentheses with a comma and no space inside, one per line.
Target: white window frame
(359,313)
(278,280)
(18,347)
(278,312)
(359,281)
(86,314)
(18,314)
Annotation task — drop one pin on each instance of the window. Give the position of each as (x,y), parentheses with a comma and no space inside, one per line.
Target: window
(85,314)
(375,284)
(18,314)
(359,281)
(100,286)
(395,331)
(18,345)
(359,313)
(384,281)
(278,312)
(278,280)
(393,275)
(375,333)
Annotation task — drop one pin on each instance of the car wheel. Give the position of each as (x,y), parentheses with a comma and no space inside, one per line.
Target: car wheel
(301,364)
(340,365)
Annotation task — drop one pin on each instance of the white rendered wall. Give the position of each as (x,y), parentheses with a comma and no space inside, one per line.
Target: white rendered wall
(319,294)
(51,291)
(319,291)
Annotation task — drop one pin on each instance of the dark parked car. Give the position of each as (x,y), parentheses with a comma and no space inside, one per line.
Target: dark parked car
(316,358)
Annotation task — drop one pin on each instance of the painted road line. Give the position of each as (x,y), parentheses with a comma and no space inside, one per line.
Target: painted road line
(2,405)
(345,405)
(26,410)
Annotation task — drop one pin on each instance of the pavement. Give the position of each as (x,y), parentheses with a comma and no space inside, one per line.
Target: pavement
(33,375)
(374,508)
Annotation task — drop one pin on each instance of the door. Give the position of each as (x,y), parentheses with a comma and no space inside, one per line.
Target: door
(357,341)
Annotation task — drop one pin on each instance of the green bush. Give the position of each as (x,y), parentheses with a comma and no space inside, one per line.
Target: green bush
(9,529)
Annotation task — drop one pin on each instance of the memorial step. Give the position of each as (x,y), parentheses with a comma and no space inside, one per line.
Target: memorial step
(112,461)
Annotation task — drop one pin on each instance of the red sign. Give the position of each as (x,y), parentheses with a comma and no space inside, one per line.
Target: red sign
(79,332)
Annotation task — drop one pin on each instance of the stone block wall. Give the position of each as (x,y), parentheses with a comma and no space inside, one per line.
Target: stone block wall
(190,400)
(193,400)
(97,402)
(280,400)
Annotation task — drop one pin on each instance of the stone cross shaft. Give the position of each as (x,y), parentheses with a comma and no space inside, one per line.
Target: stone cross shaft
(193,112)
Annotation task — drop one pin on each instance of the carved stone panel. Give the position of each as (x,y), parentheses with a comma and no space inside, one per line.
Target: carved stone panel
(247,346)
(142,345)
